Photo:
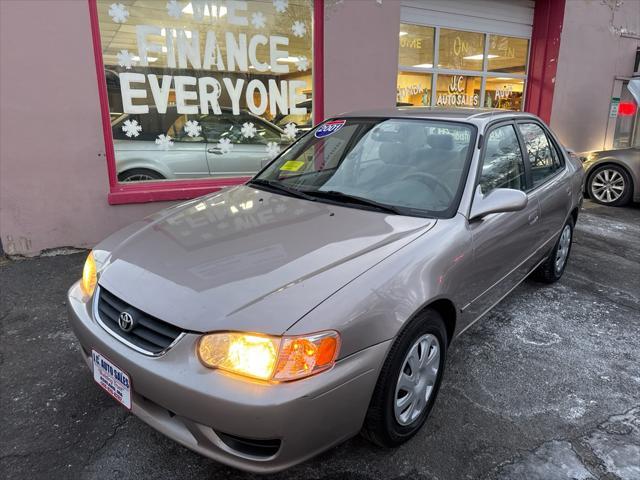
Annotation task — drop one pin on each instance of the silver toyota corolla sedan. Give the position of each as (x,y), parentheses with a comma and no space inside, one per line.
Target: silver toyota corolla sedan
(265,323)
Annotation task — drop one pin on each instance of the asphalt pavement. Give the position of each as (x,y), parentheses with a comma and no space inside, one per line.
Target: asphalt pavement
(547,386)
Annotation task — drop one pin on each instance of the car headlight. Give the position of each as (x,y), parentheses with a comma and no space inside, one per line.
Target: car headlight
(266,357)
(89,276)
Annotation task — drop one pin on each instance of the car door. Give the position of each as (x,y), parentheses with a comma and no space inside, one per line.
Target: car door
(248,147)
(503,243)
(186,158)
(549,179)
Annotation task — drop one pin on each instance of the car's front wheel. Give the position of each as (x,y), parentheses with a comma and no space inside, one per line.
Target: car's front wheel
(610,185)
(409,382)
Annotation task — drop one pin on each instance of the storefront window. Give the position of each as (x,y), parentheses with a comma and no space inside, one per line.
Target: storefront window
(459,73)
(205,88)
(460,50)
(507,54)
(458,91)
(416,46)
(504,92)
(414,89)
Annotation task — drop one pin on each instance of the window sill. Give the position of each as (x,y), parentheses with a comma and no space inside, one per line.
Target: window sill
(168,190)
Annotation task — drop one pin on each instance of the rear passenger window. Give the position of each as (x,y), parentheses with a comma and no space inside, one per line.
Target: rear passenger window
(543,157)
(502,166)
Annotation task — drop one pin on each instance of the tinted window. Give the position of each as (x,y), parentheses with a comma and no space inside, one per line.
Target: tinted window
(544,159)
(151,125)
(216,127)
(503,166)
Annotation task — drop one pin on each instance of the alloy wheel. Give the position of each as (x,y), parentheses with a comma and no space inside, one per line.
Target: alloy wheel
(138,177)
(608,185)
(417,379)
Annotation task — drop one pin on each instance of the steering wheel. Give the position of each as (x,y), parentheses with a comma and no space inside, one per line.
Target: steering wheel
(429,180)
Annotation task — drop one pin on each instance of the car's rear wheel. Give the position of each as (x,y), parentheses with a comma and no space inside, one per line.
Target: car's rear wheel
(409,382)
(139,175)
(553,267)
(610,185)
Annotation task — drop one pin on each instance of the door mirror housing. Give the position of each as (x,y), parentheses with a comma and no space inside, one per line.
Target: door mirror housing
(498,200)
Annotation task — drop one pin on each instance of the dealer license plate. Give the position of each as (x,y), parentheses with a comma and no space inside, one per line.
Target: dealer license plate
(112,379)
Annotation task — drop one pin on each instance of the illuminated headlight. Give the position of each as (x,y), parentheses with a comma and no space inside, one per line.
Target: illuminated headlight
(265,357)
(89,276)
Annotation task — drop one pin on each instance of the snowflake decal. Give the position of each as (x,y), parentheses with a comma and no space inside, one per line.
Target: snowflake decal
(302,63)
(291,130)
(192,128)
(174,9)
(272,149)
(299,29)
(164,141)
(125,59)
(131,128)
(258,20)
(118,12)
(225,145)
(248,130)
(281,5)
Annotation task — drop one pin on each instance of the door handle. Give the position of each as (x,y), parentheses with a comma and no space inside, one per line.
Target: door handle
(214,150)
(533,218)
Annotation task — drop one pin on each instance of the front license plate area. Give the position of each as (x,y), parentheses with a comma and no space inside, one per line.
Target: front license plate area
(111,378)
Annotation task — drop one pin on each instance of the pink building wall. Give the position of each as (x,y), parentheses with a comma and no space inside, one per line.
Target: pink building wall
(590,58)
(361,54)
(53,173)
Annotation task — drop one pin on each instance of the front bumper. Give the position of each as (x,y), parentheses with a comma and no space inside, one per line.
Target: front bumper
(198,407)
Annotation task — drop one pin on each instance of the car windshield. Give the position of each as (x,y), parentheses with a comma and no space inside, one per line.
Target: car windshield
(405,166)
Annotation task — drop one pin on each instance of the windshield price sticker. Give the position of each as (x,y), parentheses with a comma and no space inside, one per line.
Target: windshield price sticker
(329,128)
(292,166)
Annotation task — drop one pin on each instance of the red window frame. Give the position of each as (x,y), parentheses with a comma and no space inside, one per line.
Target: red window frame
(120,193)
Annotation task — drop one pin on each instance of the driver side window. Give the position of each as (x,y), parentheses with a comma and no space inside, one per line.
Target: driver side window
(503,165)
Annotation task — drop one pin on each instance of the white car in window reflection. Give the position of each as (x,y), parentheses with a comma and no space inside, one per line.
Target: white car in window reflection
(139,158)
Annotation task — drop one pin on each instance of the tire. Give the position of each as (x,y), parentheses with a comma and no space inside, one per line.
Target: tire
(382,425)
(551,270)
(610,185)
(139,175)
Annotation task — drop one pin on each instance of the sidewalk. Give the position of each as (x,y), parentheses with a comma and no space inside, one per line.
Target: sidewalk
(549,379)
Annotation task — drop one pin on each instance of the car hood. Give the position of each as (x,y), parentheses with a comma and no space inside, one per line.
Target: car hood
(246,259)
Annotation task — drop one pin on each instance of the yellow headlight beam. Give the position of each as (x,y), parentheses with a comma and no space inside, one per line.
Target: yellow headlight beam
(89,276)
(267,357)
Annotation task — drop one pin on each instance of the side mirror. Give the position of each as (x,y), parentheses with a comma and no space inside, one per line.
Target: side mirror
(497,201)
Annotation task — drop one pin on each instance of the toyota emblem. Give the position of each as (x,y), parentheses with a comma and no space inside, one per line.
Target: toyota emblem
(125,322)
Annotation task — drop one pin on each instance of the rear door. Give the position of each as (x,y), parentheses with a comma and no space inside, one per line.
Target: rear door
(503,243)
(549,179)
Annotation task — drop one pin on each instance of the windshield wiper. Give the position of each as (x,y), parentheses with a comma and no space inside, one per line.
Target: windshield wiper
(353,199)
(280,187)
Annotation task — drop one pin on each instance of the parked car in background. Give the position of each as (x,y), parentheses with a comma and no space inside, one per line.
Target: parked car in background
(265,323)
(138,158)
(613,176)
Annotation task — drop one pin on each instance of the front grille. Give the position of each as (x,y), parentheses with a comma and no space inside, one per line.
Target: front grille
(148,333)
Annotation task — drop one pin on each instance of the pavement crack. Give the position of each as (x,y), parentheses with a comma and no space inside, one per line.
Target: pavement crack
(110,436)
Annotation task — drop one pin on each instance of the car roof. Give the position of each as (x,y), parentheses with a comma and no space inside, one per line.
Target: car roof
(474,115)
